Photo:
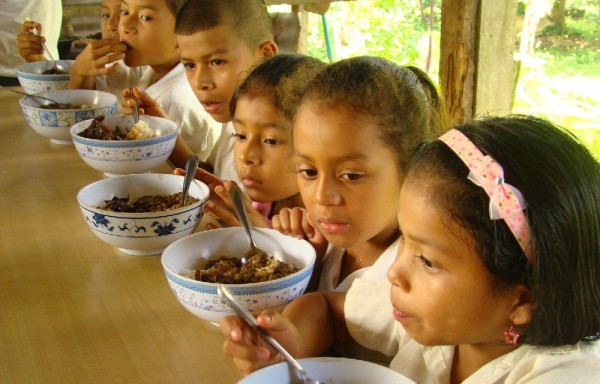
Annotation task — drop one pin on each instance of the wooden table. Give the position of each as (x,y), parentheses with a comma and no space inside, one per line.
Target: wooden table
(73,309)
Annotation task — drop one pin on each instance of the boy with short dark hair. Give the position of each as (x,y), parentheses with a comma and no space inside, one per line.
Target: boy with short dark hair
(220,41)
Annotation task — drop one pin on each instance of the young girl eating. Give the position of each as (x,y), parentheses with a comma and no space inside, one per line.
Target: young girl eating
(355,129)
(496,278)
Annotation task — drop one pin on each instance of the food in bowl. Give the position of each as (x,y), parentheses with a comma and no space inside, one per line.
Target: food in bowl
(34,76)
(154,203)
(230,270)
(65,106)
(54,71)
(202,299)
(141,233)
(54,120)
(98,131)
(123,157)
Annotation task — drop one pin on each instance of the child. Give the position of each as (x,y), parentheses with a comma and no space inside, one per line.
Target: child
(356,127)
(100,66)
(147,31)
(479,293)
(219,42)
(262,109)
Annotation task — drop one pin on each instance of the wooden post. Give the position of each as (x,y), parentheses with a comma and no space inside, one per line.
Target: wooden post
(477,69)
(457,57)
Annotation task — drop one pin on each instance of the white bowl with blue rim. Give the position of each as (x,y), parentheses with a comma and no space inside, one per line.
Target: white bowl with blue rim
(123,157)
(147,233)
(32,78)
(55,123)
(201,298)
(330,370)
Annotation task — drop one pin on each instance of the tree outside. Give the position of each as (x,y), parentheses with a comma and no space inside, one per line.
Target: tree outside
(558,55)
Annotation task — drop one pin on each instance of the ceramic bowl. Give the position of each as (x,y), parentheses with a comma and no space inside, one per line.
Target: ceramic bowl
(202,299)
(141,233)
(55,124)
(33,80)
(123,157)
(330,370)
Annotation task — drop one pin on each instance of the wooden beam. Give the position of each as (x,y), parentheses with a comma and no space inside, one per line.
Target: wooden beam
(457,57)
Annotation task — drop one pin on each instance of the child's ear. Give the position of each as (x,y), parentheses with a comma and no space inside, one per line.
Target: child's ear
(521,312)
(268,49)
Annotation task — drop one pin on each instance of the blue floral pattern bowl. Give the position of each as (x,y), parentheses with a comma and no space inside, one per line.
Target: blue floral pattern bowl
(141,233)
(123,157)
(201,298)
(55,124)
(32,79)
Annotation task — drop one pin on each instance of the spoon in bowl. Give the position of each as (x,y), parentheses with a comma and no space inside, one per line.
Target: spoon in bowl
(57,67)
(241,311)
(136,109)
(190,171)
(235,194)
(32,95)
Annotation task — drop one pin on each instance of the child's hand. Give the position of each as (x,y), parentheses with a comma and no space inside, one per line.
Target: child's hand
(223,209)
(30,45)
(296,222)
(146,104)
(93,60)
(248,351)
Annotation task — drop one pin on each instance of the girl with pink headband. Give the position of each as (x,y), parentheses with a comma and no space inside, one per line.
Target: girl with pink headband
(496,279)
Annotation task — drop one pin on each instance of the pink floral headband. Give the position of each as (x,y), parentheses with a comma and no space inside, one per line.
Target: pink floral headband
(506,201)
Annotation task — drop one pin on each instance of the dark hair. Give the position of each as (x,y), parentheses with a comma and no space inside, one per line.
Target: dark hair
(560,181)
(283,78)
(398,99)
(249,19)
(174,6)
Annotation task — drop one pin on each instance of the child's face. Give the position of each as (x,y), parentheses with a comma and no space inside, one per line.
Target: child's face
(348,179)
(442,293)
(147,28)
(263,150)
(216,62)
(110,18)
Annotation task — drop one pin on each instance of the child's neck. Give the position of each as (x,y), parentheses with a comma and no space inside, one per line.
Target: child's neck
(365,254)
(163,69)
(469,358)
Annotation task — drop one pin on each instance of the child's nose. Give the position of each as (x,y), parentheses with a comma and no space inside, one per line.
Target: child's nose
(249,154)
(202,80)
(125,24)
(326,192)
(397,273)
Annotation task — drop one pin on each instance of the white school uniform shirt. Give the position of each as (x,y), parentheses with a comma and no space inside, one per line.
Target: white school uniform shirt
(12,15)
(175,95)
(223,160)
(124,77)
(332,265)
(368,313)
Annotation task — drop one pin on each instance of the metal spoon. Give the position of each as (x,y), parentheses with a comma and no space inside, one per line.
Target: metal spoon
(32,95)
(190,171)
(241,311)
(136,108)
(57,66)
(235,194)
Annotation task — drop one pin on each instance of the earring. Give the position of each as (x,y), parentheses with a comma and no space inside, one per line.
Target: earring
(512,336)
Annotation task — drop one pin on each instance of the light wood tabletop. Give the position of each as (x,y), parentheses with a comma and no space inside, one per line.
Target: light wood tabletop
(72,308)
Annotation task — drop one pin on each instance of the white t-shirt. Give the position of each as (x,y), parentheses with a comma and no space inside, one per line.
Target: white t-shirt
(197,128)
(124,77)
(12,15)
(332,265)
(368,313)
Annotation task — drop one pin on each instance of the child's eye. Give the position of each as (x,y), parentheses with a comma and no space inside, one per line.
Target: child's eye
(239,136)
(270,141)
(306,172)
(352,176)
(217,62)
(189,66)
(124,12)
(105,16)
(426,263)
(145,18)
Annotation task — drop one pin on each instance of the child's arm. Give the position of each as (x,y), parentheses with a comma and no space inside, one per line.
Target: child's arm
(307,327)
(93,60)
(30,45)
